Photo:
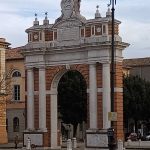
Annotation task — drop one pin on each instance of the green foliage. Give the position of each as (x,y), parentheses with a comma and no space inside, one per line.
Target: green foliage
(72,98)
(136,98)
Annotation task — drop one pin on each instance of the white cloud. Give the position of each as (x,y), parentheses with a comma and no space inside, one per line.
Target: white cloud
(13,29)
(17,15)
(137,34)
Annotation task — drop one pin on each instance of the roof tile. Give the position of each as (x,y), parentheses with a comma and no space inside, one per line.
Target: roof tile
(14,53)
(136,62)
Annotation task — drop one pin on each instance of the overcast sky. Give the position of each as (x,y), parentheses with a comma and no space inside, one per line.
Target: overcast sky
(18,15)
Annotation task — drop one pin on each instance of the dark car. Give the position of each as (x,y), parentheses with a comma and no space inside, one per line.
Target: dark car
(133,137)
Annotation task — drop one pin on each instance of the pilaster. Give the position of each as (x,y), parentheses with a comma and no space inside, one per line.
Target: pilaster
(30,99)
(106,94)
(42,100)
(93,96)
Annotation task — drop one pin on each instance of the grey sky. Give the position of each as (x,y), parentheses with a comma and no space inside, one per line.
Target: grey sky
(17,15)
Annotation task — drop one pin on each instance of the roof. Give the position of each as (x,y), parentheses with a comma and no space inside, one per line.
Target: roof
(14,53)
(136,62)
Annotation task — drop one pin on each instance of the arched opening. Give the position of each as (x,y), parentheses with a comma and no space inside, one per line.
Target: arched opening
(55,114)
(16,124)
(7,124)
(16,74)
(72,105)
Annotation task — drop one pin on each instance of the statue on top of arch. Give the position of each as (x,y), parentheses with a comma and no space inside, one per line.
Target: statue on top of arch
(70,9)
(77,6)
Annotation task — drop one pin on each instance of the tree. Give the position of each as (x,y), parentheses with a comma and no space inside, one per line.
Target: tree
(5,86)
(72,99)
(136,99)
(5,90)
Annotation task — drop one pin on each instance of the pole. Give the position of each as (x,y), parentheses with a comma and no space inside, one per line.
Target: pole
(112,143)
(112,61)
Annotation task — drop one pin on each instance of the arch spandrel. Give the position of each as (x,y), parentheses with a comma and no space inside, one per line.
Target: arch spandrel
(59,72)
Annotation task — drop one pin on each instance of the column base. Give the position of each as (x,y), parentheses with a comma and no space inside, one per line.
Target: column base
(96,139)
(3,135)
(38,138)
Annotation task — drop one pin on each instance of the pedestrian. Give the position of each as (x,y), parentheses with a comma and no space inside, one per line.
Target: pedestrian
(139,135)
(16,141)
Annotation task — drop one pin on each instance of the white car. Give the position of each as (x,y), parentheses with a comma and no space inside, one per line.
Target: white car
(148,138)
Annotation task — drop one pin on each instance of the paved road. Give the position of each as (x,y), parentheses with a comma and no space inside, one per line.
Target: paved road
(10,146)
(80,146)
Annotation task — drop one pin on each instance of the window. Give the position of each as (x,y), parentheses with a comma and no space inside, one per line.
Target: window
(7,125)
(16,74)
(104,29)
(16,124)
(48,35)
(16,92)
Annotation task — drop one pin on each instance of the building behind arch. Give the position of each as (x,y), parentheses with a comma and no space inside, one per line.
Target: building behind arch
(16,99)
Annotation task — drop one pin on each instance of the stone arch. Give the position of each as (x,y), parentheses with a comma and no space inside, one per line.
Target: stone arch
(16,124)
(16,73)
(53,98)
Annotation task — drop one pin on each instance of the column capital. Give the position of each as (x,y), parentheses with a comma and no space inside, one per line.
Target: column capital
(105,62)
(41,67)
(29,68)
(92,63)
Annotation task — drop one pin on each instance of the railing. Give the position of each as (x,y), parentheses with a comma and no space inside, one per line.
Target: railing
(84,40)
(137,144)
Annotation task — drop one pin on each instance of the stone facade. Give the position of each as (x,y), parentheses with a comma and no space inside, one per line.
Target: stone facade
(3,133)
(15,107)
(72,43)
(137,67)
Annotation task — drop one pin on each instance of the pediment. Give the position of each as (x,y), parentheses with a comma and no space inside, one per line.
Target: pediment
(69,23)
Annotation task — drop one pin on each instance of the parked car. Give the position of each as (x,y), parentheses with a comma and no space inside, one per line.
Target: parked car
(147,137)
(133,137)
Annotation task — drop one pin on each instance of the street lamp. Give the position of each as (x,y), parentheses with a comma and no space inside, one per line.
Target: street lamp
(111,138)
(112,3)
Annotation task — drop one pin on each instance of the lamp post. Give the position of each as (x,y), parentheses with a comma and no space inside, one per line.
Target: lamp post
(111,138)
(112,3)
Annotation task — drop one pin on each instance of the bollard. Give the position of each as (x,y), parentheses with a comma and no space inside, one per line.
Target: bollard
(129,142)
(69,144)
(120,145)
(28,146)
(74,142)
(16,141)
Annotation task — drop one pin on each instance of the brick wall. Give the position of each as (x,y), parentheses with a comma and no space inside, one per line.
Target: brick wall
(51,72)
(3,133)
(119,102)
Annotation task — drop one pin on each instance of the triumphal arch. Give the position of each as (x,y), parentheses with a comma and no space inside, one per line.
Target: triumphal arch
(71,43)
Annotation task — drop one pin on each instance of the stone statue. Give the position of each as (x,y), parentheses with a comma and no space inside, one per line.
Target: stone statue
(70,9)
(77,6)
(67,8)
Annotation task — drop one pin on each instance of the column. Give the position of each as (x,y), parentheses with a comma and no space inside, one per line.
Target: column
(54,121)
(106,29)
(93,96)
(42,100)
(30,99)
(106,95)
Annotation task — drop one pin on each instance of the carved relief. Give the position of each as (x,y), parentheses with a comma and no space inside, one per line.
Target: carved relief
(68,34)
(70,9)
(77,6)
(67,8)
(69,24)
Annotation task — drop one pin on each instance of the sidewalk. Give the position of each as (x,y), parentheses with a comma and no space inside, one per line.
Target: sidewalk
(10,146)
